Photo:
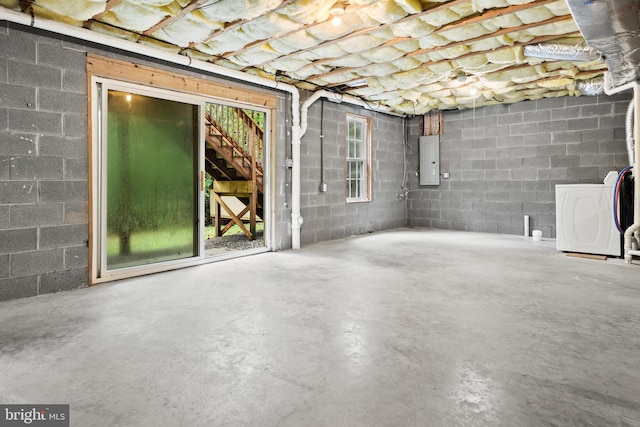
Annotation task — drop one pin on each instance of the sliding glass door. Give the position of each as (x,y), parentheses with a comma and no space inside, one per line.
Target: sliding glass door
(148,184)
(155,154)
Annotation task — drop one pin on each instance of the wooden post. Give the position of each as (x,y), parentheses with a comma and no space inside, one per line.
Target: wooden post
(253,200)
(234,217)
(217,212)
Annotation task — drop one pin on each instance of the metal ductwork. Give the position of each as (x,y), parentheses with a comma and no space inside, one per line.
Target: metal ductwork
(612,27)
(561,51)
(591,87)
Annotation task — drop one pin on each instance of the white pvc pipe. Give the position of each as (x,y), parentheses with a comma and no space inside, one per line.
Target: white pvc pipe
(304,108)
(106,40)
(338,99)
(129,46)
(298,126)
(613,90)
(629,234)
(296,219)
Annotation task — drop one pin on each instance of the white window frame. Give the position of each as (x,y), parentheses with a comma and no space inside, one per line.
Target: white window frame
(362,158)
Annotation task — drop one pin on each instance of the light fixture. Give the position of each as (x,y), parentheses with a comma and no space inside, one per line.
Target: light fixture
(336,12)
(473,91)
(128,97)
(357,83)
(461,77)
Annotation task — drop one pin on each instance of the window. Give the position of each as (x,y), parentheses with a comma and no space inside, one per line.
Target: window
(358,148)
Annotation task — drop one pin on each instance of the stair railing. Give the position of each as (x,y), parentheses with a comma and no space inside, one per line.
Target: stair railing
(237,124)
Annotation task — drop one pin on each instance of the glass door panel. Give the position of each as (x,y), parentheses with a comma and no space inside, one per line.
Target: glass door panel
(151,180)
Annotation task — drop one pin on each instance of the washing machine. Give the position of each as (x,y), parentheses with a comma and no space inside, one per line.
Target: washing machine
(584,218)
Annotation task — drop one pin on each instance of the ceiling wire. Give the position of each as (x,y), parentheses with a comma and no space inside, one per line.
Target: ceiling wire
(204,6)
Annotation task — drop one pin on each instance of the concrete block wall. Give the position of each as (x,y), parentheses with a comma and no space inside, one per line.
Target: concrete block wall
(44,224)
(504,162)
(43,163)
(326,215)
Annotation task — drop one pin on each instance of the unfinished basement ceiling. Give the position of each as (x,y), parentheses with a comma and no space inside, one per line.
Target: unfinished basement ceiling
(409,55)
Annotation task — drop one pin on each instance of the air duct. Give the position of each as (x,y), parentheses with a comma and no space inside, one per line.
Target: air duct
(591,87)
(631,137)
(561,51)
(612,27)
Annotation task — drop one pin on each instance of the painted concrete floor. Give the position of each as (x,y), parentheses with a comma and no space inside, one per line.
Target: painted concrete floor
(400,328)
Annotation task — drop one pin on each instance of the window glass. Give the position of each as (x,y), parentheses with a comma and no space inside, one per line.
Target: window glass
(357,185)
(151,180)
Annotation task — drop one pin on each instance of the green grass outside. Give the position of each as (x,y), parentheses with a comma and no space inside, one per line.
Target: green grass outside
(153,241)
(168,239)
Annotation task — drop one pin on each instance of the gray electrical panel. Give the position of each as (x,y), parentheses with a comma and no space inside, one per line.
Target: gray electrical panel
(430,160)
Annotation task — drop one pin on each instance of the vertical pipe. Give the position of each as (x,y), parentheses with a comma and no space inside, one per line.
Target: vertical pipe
(253,202)
(526,226)
(296,136)
(636,165)
(296,218)
(322,185)
(630,241)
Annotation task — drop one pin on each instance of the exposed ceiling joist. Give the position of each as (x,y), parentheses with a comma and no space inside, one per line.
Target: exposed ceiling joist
(501,32)
(472,54)
(193,5)
(262,42)
(450,45)
(110,4)
(460,23)
(231,26)
(368,30)
(394,52)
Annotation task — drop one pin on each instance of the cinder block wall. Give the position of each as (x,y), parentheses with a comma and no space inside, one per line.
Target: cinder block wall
(505,161)
(43,164)
(327,215)
(44,224)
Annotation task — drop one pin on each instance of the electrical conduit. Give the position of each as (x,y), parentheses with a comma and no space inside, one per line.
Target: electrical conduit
(304,111)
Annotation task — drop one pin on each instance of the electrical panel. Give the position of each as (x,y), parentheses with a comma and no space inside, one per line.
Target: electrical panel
(430,160)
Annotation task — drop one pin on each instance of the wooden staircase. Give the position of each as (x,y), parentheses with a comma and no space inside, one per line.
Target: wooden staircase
(234,155)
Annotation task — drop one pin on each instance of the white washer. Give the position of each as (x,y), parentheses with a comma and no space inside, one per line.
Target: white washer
(584,218)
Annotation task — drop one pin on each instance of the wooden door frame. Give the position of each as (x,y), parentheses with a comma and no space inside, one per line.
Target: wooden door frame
(157,78)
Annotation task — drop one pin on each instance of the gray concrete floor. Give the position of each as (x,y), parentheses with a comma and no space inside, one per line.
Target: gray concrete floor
(400,328)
